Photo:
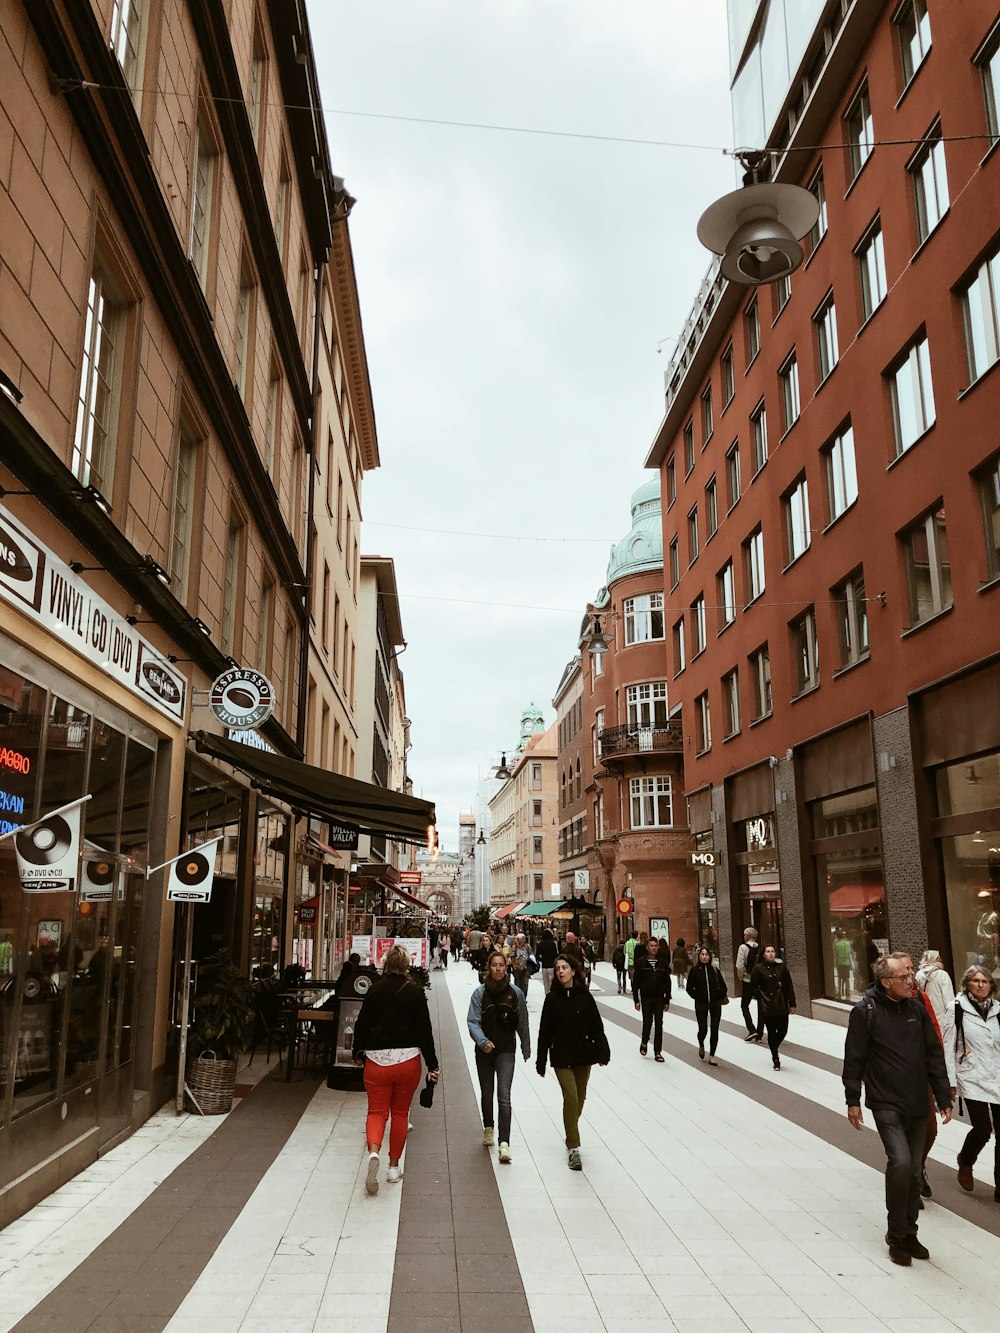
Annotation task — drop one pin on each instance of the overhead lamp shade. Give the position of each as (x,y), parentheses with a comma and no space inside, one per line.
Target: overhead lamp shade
(757,231)
(599,643)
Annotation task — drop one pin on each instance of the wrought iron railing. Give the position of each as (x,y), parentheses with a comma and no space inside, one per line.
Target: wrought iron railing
(641,740)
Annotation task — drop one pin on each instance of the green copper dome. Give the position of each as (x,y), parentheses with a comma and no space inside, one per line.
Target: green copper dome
(642,550)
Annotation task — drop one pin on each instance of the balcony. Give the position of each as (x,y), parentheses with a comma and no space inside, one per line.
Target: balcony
(616,742)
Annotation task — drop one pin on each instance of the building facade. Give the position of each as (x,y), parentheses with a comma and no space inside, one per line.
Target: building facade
(831,482)
(523,843)
(572,740)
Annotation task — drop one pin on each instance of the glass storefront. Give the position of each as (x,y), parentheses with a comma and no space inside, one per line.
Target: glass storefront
(708,928)
(760,880)
(850,889)
(971,861)
(68,961)
(269,893)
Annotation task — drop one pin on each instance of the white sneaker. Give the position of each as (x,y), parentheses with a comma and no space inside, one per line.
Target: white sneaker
(394,1175)
(504,1153)
(371,1179)
(488,1137)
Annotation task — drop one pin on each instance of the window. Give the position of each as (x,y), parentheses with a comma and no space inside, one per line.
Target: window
(702,724)
(711,508)
(336,635)
(726,588)
(930,183)
(232,586)
(731,701)
(841,473)
(859,130)
(536,850)
(244,323)
(782,293)
(988,60)
(182,511)
(272,457)
(871,266)
(827,349)
(671,481)
(805,652)
(912,396)
(797,530)
(126,39)
(758,436)
(728,376)
(680,647)
(751,327)
(753,552)
(596,734)
(688,447)
(536,776)
(693,535)
(733,473)
(264,626)
(325,608)
(99,403)
(760,675)
(643,618)
(818,187)
(675,567)
(647,705)
(205,153)
(281,212)
(981,312)
(257,101)
(989,494)
(852,618)
(699,636)
(652,802)
(788,379)
(928,568)
(706,415)
(914,29)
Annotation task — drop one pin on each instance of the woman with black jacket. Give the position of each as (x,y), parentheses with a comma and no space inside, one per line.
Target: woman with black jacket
(392,1032)
(707,987)
(772,988)
(571,1035)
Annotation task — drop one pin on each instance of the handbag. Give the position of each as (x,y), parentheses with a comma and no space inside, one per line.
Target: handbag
(427,1094)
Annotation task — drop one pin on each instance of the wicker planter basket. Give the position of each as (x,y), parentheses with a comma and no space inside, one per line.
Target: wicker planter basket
(211,1083)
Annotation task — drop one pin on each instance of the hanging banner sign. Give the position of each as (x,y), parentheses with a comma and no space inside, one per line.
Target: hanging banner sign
(41,586)
(101,878)
(191,874)
(242,699)
(48,851)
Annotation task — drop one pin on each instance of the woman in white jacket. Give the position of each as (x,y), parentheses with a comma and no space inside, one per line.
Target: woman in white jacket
(935,982)
(972,1054)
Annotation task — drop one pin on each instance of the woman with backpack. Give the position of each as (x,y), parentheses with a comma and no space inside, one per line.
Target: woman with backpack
(971,1036)
(571,1035)
(680,962)
(707,987)
(498,1020)
(771,986)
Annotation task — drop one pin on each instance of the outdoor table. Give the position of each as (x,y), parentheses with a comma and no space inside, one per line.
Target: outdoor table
(308,1011)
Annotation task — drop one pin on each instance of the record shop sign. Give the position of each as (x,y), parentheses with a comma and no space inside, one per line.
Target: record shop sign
(242,699)
(35,581)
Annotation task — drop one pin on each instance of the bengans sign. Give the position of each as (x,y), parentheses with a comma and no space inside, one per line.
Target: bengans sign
(42,587)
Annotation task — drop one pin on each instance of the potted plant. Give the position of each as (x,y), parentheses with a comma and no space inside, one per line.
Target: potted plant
(222,1028)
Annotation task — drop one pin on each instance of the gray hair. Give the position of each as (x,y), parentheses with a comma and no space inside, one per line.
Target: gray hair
(396,962)
(749,933)
(977,969)
(881,970)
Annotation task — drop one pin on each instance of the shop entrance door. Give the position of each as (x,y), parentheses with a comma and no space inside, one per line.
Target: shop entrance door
(764,914)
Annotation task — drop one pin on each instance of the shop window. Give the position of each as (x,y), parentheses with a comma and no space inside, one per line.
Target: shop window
(651,802)
(981,311)
(988,480)
(928,566)
(852,618)
(850,889)
(913,28)
(912,395)
(971,860)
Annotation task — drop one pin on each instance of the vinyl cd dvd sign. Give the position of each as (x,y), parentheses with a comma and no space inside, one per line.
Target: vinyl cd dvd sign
(192,874)
(101,877)
(48,852)
(242,699)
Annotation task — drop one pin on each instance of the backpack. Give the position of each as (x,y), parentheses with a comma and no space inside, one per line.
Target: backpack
(753,953)
(502,1010)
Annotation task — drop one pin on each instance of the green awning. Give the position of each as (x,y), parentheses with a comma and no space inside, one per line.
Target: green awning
(540,909)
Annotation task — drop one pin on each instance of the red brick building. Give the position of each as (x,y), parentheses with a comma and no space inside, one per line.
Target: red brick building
(830,467)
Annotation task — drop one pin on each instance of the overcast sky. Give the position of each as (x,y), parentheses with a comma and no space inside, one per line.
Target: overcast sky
(514,288)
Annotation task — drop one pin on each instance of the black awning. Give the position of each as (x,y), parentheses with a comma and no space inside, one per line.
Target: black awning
(371,808)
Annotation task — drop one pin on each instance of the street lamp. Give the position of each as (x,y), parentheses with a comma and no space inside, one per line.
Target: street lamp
(757,228)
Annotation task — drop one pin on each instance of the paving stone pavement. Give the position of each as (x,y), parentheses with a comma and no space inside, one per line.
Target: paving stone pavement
(711,1198)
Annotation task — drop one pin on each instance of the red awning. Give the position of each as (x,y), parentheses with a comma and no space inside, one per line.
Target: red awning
(506,911)
(320,846)
(852,899)
(407,897)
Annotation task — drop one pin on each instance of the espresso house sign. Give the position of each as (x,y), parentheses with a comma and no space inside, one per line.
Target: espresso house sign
(35,581)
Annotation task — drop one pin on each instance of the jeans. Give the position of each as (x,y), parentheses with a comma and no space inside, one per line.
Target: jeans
(521,980)
(746,992)
(903,1137)
(777,1031)
(714,1011)
(980,1113)
(390,1090)
(652,1017)
(498,1066)
(573,1083)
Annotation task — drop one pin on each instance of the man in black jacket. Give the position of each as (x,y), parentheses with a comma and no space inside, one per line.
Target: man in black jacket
(893,1049)
(651,994)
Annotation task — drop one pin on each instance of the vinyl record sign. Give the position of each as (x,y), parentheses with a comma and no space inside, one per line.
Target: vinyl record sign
(192,874)
(242,699)
(100,877)
(48,852)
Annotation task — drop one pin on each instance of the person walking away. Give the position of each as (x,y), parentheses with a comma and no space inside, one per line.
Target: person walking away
(651,993)
(934,982)
(519,964)
(971,1036)
(571,1036)
(629,947)
(640,947)
(498,1020)
(707,987)
(620,966)
(771,985)
(892,1048)
(746,960)
(475,944)
(680,962)
(444,940)
(392,1032)
(546,953)
(843,962)
(455,939)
